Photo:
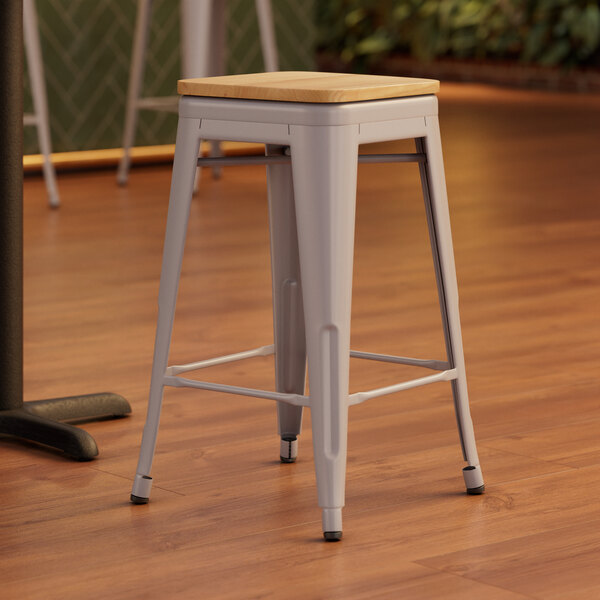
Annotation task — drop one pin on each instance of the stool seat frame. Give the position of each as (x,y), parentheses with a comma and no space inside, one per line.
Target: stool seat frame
(311,158)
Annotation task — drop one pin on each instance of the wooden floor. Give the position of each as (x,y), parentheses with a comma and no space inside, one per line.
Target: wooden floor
(227,520)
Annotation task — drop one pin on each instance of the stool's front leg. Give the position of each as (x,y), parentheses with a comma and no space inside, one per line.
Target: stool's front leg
(288,313)
(324,163)
(182,183)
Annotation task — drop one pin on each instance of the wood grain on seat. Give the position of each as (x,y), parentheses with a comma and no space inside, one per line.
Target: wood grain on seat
(307,86)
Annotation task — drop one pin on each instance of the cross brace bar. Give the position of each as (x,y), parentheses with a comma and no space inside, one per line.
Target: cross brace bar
(227,161)
(171,379)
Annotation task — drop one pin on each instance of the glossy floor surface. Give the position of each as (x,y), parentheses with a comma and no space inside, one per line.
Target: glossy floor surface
(226,519)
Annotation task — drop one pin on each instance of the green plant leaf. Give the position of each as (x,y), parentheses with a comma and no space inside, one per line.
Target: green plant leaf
(373,44)
(355,16)
(556,53)
(549,32)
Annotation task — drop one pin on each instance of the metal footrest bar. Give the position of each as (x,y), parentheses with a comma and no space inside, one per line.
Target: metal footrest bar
(435,365)
(418,157)
(172,380)
(166,103)
(227,161)
(220,360)
(295,399)
(29,119)
(360,397)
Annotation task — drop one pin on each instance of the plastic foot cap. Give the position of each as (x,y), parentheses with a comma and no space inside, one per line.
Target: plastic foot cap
(138,500)
(142,484)
(288,449)
(473,477)
(332,536)
(476,491)
(332,522)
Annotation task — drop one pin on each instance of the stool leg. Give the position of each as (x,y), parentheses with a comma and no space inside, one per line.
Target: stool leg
(324,163)
(40,99)
(202,35)
(184,167)
(217,64)
(288,313)
(436,204)
(134,89)
(267,35)
(197,19)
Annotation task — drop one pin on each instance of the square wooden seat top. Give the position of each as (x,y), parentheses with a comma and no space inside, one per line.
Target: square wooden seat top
(307,86)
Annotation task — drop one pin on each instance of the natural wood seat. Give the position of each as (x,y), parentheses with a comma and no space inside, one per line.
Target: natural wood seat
(307,86)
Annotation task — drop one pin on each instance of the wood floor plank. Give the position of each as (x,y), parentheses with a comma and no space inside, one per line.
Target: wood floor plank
(576,445)
(209,545)
(561,563)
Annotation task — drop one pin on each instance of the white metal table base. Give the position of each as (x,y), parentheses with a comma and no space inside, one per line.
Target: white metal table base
(311,172)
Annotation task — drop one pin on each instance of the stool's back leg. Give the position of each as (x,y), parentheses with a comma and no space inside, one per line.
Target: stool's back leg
(40,99)
(267,35)
(184,167)
(438,217)
(196,24)
(217,49)
(288,313)
(134,89)
(324,162)
(217,55)
(202,31)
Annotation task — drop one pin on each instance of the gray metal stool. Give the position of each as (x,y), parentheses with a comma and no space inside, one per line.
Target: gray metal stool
(312,125)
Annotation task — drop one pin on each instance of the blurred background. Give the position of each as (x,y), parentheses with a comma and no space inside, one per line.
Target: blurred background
(87,57)
(519,42)
(548,44)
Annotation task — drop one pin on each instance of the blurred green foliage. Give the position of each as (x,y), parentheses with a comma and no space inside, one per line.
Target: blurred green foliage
(544,32)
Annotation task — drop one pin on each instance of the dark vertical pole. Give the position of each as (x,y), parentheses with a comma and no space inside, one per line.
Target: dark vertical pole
(35,421)
(11,206)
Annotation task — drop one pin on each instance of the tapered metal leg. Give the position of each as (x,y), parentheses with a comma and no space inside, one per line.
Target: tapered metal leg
(217,56)
(436,205)
(182,182)
(288,313)
(267,35)
(203,50)
(324,163)
(134,90)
